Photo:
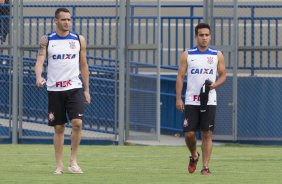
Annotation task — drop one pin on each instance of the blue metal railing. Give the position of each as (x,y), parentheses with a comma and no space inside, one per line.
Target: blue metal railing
(177,33)
(264,52)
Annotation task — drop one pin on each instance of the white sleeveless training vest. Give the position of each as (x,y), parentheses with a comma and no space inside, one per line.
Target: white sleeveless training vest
(201,66)
(63,62)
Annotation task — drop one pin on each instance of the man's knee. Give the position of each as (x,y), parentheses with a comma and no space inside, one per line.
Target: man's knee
(206,135)
(190,135)
(59,129)
(76,124)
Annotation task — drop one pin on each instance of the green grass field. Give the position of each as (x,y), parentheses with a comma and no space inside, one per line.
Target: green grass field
(141,164)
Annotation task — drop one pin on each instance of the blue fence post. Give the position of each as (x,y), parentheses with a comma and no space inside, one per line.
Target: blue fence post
(169,42)
(252,40)
(191,27)
(162,40)
(154,40)
(184,34)
(102,38)
(132,31)
(229,41)
(110,38)
(245,42)
(276,42)
(88,33)
(147,38)
(268,42)
(176,41)
(44,25)
(260,43)
(30,35)
(74,17)
(95,40)
(139,37)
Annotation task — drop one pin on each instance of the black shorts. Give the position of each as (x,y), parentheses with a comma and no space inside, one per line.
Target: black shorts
(63,103)
(195,120)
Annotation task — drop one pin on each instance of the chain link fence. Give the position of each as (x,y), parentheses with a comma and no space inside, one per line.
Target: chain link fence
(248,103)
(259,72)
(5,68)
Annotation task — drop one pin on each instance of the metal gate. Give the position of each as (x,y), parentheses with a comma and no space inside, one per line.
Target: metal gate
(100,29)
(142,104)
(114,71)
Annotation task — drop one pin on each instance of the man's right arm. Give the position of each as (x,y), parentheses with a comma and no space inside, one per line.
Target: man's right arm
(42,52)
(182,69)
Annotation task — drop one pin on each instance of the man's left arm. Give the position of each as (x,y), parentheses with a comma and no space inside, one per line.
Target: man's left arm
(84,69)
(220,70)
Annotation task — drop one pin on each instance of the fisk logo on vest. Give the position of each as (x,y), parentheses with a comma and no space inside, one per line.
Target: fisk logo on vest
(63,56)
(63,84)
(202,71)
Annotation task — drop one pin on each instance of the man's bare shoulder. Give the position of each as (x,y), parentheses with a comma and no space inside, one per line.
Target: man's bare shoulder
(82,41)
(81,38)
(184,55)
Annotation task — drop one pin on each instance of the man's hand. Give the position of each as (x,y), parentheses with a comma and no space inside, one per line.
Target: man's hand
(40,82)
(180,105)
(87,97)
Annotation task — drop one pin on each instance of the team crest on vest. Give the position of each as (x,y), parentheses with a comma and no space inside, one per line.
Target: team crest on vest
(210,60)
(72,45)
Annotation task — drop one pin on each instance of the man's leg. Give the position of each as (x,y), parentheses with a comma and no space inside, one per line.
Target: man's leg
(75,139)
(191,143)
(206,148)
(59,145)
(75,142)
(190,124)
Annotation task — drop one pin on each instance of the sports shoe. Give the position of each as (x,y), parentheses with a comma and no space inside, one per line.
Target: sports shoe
(205,171)
(59,171)
(75,169)
(193,164)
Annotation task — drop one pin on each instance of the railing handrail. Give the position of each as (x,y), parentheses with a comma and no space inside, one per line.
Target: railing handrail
(153,6)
